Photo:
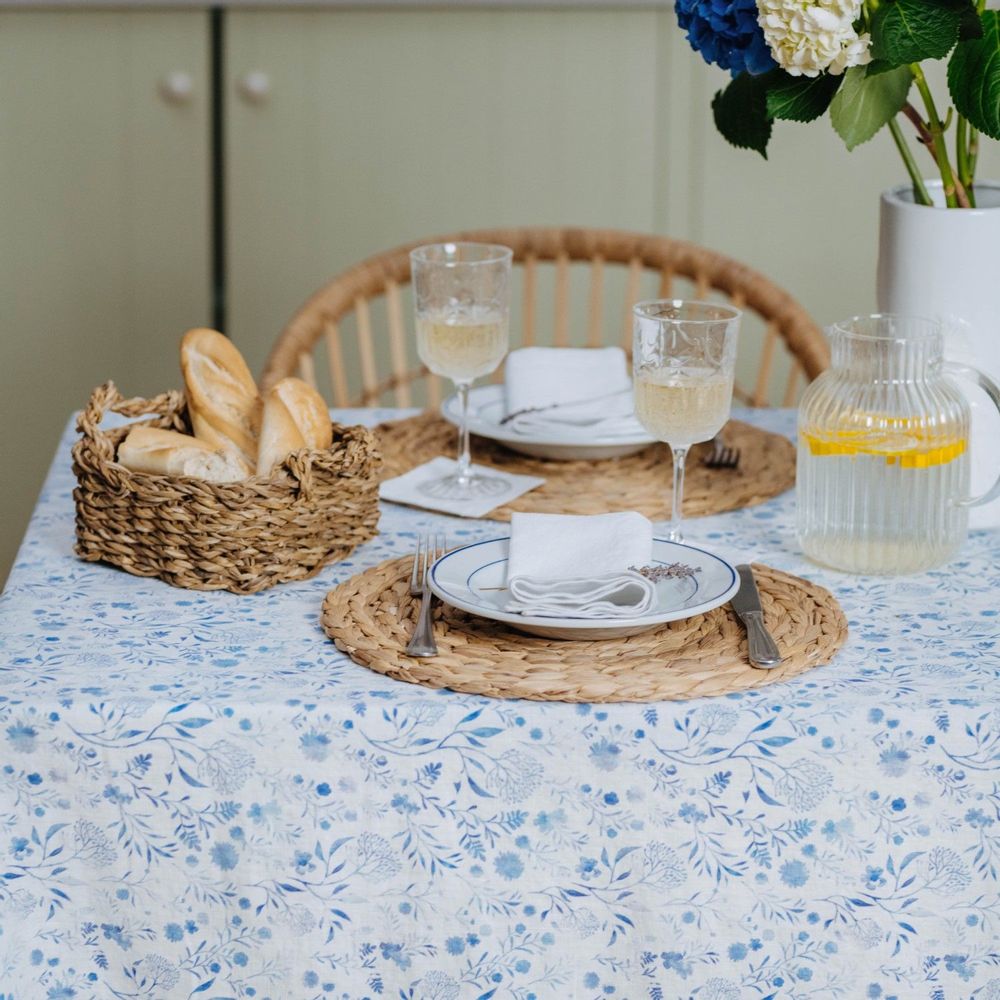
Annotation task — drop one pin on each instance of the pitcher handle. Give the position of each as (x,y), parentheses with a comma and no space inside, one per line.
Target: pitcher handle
(992,389)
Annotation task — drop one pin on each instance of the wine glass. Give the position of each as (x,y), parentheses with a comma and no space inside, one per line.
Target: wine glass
(683,356)
(462,295)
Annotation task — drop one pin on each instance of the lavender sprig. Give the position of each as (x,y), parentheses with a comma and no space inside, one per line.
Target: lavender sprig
(670,571)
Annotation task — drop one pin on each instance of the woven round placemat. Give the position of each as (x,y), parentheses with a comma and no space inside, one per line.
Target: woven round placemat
(639,482)
(371,618)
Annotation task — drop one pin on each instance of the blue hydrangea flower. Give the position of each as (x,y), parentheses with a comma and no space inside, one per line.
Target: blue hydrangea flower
(454,946)
(22,737)
(726,33)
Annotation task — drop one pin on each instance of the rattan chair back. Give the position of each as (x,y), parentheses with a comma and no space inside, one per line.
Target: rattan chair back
(360,320)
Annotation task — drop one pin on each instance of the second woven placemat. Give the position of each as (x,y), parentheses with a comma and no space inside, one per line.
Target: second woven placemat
(371,617)
(636,482)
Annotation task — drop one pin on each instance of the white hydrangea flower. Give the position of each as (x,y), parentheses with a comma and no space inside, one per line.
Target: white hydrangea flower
(807,37)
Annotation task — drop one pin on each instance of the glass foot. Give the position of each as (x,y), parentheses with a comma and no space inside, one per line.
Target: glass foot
(457,487)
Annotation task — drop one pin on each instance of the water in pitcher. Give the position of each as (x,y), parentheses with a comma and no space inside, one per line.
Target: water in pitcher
(882,502)
(883,453)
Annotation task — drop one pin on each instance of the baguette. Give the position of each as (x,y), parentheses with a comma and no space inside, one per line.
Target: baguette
(222,397)
(167,453)
(294,417)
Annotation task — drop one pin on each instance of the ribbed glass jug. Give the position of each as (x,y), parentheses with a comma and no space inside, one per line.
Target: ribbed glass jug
(883,458)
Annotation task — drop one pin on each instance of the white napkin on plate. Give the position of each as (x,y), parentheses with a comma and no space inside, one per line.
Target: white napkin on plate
(586,391)
(577,566)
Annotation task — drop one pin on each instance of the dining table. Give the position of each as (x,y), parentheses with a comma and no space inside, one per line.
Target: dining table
(201,796)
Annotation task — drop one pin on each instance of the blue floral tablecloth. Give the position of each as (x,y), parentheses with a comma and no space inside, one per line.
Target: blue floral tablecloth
(200,797)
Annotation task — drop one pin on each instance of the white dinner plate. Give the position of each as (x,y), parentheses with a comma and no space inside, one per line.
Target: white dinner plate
(473,578)
(487,406)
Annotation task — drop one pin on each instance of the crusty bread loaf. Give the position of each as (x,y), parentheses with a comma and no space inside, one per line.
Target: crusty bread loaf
(222,397)
(294,417)
(167,453)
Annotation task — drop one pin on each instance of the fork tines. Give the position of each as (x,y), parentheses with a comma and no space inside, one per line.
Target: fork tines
(721,456)
(430,548)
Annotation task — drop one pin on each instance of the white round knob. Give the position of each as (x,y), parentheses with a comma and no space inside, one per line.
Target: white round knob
(255,86)
(177,87)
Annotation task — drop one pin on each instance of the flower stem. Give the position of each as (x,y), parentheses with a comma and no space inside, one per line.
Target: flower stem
(920,194)
(937,136)
(962,158)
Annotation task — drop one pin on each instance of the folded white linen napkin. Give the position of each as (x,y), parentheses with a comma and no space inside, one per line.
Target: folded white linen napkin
(573,566)
(584,391)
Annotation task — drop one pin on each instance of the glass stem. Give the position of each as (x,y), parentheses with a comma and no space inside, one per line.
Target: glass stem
(679,456)
(464,472)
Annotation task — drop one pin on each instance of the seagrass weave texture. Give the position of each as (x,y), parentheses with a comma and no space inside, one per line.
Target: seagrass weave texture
(371,617)
(315,508)
(636,482)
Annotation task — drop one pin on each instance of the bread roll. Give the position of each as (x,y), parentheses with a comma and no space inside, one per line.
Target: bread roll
(167,453)
(295,417)
(222,396)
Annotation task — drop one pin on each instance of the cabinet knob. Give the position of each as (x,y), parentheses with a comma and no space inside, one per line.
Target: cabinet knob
(255,87)
(177,87)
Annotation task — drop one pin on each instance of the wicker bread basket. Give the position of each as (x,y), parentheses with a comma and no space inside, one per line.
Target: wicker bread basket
(315,508)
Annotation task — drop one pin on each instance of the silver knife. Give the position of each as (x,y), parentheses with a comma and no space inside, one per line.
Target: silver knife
(761,648)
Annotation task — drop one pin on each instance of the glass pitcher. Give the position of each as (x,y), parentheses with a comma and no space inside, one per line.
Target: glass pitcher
(882,479)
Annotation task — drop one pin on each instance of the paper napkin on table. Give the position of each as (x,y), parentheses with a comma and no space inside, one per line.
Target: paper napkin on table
(583,390)
(577,566)
(406,488)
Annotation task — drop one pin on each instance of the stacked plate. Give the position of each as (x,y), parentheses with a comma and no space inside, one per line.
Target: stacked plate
(487,408)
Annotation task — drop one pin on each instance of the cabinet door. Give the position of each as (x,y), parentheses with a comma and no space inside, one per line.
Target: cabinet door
(350,132)
(104,211)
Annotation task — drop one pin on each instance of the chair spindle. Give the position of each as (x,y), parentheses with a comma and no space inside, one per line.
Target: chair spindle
(366,351)
(530,294)
(561,335)
(764,371)
(595,307)
(397,343)
(335,361)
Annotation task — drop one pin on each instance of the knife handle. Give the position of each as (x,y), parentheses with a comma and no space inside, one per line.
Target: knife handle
(761,648)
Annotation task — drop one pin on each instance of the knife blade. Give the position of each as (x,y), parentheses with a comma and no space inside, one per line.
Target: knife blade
(762,650)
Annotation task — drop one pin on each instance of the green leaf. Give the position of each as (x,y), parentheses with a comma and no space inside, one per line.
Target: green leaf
(974,77)
(799,98)
(907,31)
(865,103)
(971,24)
(740,113)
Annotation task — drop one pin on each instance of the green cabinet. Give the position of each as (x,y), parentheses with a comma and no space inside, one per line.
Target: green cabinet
(381,127)
(104,219)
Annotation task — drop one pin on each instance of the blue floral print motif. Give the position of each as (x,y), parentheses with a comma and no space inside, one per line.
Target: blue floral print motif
(200,797)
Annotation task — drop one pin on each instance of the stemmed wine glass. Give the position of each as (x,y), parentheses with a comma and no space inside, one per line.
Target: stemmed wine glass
(683,357)
(462,294)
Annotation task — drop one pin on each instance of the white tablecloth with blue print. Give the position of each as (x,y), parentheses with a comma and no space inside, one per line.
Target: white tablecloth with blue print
(201,797)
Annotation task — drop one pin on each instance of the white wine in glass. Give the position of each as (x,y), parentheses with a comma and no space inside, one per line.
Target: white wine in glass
(462,295)
(683,357)
(462,345)
(683,406)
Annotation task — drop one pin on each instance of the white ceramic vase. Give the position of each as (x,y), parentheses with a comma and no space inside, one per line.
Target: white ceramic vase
(945,263)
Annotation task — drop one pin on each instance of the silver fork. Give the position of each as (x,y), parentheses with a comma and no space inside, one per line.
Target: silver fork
(721,456)
(428,551)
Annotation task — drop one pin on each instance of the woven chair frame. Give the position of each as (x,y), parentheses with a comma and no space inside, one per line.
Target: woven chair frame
(353,290)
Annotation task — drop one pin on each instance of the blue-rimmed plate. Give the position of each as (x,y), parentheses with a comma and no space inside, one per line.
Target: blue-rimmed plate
(473,578)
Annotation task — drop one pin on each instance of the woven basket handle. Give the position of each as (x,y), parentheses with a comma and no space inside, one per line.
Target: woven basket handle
(107,397)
